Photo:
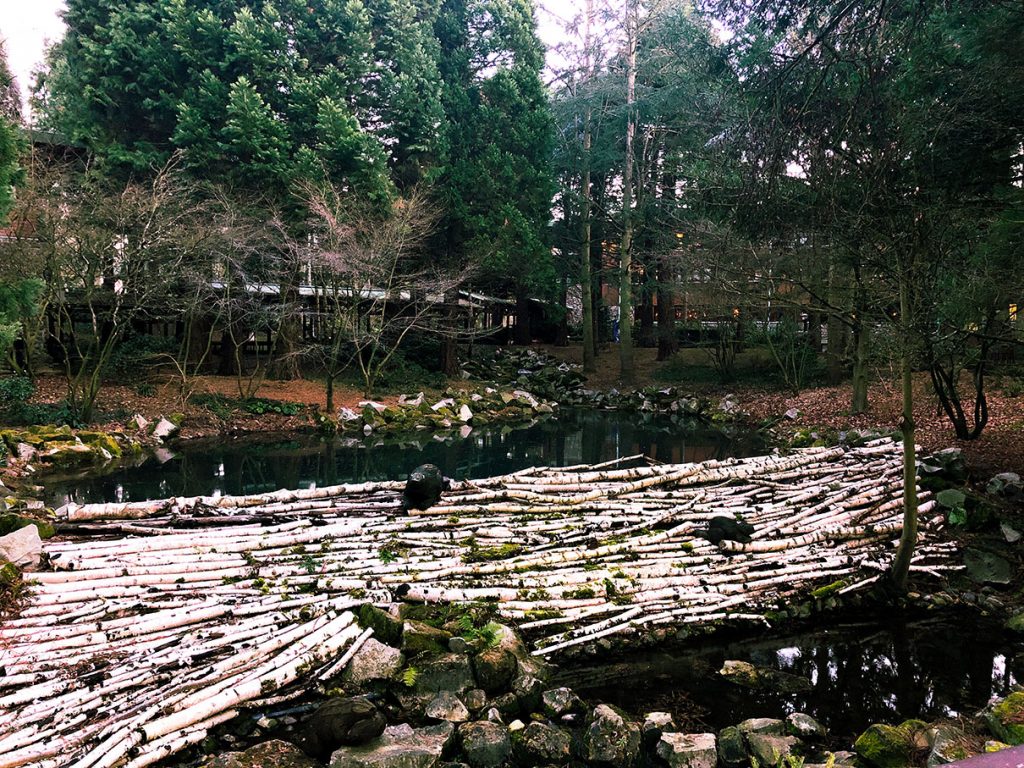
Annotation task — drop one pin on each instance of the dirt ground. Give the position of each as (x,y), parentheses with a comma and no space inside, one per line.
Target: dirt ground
(999,449)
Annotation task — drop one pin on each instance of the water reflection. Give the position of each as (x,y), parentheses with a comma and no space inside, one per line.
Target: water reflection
(254,466)
(859,674)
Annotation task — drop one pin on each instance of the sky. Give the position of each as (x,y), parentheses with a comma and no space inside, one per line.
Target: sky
(28,26)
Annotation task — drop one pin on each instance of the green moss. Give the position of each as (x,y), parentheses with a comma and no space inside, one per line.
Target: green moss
(386,627)
(583,593)
(828,589)
(101,440)
(483,554)
(1006,719)
(889,746)
(10,523)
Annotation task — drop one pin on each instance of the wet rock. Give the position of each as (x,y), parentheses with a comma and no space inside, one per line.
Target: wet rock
(556,702)
(485,744)
(447,706)
(745,674)
(373,661)
(987,567)
(611,739)
(279,754)
(688,750)
(340,721)
(541,744)
(448,672)
(400,746)
(22,547)
(1005,719)
(770,750)
(805,727)
(891,746)
(420,638)
(732,748)
(763,725)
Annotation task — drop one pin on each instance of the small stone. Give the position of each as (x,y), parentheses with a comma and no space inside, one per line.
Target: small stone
(494,716)
(805,727)
(995,746)
(447,706)
(507,704)
(465,414)
(516,725)
(765,725)
(164,429)
(458,645)
(494,668)
(475,700)
(688,750)
(485,745)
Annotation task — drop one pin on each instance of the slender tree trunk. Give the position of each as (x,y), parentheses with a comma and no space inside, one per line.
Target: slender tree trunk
(522,333)
(861,345)
(586,279)
(666,312)
(834,329)
(901,565)
(626,362)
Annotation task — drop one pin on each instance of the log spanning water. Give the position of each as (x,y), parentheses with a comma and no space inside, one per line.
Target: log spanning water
(159,620)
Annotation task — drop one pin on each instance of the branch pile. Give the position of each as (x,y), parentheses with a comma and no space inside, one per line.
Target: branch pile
(158,620)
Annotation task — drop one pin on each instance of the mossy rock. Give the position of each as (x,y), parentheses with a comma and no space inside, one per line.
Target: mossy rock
(386,628)
(10,575)
(1006,719)
(10,523)
(101,440)
(891,746)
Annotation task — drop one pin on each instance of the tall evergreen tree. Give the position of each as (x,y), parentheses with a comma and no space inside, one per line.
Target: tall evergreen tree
(10,142)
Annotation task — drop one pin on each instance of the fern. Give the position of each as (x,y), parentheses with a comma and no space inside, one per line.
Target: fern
(409,676)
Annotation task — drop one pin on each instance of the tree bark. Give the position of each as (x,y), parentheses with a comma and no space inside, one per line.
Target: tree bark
(522,333)
(626,360)
(908,539)
(586,279)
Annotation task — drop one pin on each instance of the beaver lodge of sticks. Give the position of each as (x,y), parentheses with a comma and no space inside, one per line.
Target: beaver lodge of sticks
(155,621)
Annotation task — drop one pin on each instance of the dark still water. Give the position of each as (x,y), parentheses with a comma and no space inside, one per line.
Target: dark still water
(251,465)
(859,674)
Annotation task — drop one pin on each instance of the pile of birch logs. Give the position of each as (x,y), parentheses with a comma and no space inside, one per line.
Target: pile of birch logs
(156,621)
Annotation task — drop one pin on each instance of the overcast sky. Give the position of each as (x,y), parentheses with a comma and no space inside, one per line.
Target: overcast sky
(29,26)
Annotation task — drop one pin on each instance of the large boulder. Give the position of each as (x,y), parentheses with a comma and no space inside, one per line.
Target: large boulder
(340,721)
(770,750)
(400,746)
(891,746)
(541,744)
(279,754)
(418,638)
(447,672)
(732,748)
(485,744)
(374,661)
(22,547)
(1006,718)
(688,750)
(611,739)
(495,668)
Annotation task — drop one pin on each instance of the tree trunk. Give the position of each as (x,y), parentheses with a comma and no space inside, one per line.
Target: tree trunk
(450,357)
(289,342)
(586,279)
(834,330)
(861,345)
(666,313)
(901,565)
(626,362)
(522,333)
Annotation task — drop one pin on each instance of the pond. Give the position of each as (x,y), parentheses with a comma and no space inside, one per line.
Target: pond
(255,465)
(859,674)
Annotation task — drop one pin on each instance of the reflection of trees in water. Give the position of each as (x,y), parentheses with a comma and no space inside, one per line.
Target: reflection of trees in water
(252,467)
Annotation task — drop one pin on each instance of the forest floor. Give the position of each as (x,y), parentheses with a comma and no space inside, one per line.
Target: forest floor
(999,449)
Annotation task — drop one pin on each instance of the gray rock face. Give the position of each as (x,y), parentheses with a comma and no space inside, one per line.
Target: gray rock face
(805,727)
(732,748)
(556,702)
(22,547)
(449,672)
(541,744)
(373,661)
(400,746)
(447,706)
(768,750)
(611,739)
(688,750)
(528,690)
(485,745)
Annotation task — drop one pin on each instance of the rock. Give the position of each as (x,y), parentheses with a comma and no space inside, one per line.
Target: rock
(889,746)
(25,452)
(411,401)
(494,716)
(495,668)
(747,675)
(805,727)
(465,413)
(764,725)
(1005,719)
(732,748)
(1016,622)
(340,721)
(418,638)
(611,739)
(11,522)
(540,744)
(424,487)
(556,702)
(688,750)
(987,567)
(528,690)
(792,414)
(995,746)
(723,528)
(22,547)
(506,703)
(373,661)
(655,724)
(164,429)
(458,644)
(947,744)
(279,754)
(485,745)
(400,746)
(1005,484)
(447,706)
(448,672)
(770,750)
(475,700)
(140,422)
(1011,534)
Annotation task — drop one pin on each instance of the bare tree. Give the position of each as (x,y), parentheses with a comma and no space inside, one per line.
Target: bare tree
(375,285)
